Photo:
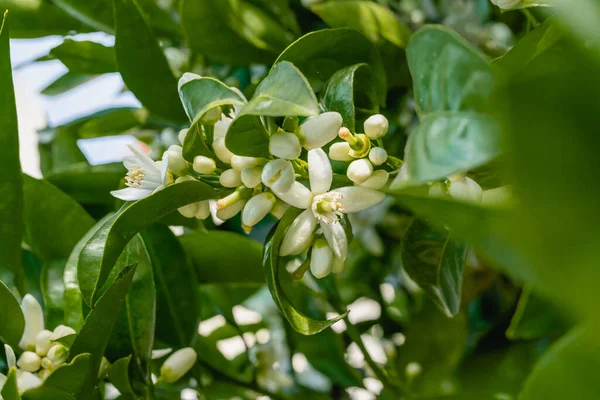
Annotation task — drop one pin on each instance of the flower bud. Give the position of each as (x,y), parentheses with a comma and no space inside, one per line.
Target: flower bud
(177,163)
(62,331)
(211,117)
(257,208)
(377,180)
(285,145)
(251,177)
(57,355)
(34,322)
(359,170)
(27,381)
(11,359)
(221,151)
(204,165)
(43,342)
(437,189)
(221,128)
(321,262)
(466,190)
(413,369)
(230,178)
(340,152)
(203,209)
(279,209)
(378,155)
(177,365)
(181,135)
(29,361)
(401,180)
(190,210)
(278,175)
(240,162)
(187,77)
(317,131)
(231,210)
(44,373)
(160,353)
(507,4)
(376,126)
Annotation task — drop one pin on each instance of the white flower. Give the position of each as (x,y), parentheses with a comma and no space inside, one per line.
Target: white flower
(29,361)
(377,180)
(376,126)
(321,261)
(378,155)
(230,211)
(221,151)
(359,170)
(174,158)
(204,165)
(43,342)
(324,207)
(230,178)
(507,4)
(466,190)
(178,364)
(278,175)
(251,177)
(285,145)
(240,163)
(144,176)
(340,152)
(57,355)
(34,322)
(317,131)
(26,381)
(257,208)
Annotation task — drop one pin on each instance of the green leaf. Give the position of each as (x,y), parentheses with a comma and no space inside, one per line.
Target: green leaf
(12,322)
(435,262)
(379,24)
(284,92)
(93,336)
(111,121)
(351,92)
(449,74)
(203,94)
(66,340)
(136,45)
(214,261)
(64,383)
(446,143)
(176,286)
(232,31)
(54,222)
(321,53)
(247,136)
(568,369)
(53,290)
(86,57)
(101,251)
(118,374)
(194,144)
(11,201)
(10,390)
(535,318)
(69,80)
(273,264)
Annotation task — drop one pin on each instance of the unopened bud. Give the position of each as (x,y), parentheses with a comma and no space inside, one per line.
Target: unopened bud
(29,361)
(27,381)
(376,126)
(279,209)
(11,359)
(377,180)
(285,145)
(221,128)
(257,208)
(466,190)
(278,175)
(231,210)
(204,165)
(240,162)
(43,342)
(340,151)
(62,331)
(360,170)
(378,155)
(190,210)
(203,209)
(57,355)
(221,151)
(507,4)
(317,131)
(176,161)
(211,117)
(177,365)
(181,136)
(321,262)
(34,322)
(230,178)
(338,265)
(251,177)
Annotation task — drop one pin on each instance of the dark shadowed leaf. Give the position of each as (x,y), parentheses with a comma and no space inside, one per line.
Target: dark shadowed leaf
(247,136)
(118,374)
(69,80)
(12,322)
(10,390)
(53,290)
(65,382)
(86,57)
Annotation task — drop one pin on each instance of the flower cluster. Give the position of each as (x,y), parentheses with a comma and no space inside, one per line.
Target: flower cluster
(43,351)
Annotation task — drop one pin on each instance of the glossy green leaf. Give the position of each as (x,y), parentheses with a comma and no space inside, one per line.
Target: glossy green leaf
(214,261)
(203,94)
(247,136)
(535,318)
(11,201)
(284,92)
(53,290)
(351,92)
(66,340)
(10,390)
(194,144)
(111,121)
(447,143)
(321,53)
(93,336)
(568,369)
(281,11)
(273,265)
(69,80)
(246,33)
(449,74)
(12,322)
(65,382)
(86,57)
(176,287)
(118,374)
(435,262)
(54,222)
(101,251)
(136,46)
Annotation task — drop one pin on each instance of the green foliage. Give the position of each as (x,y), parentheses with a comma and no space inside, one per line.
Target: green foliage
(12,321)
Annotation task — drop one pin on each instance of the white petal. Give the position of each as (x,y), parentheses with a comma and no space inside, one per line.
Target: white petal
(298,196)
(299,235)
(285,145)
(11,358)
(466,190)
(319,171)
(34,321)
(320,130)
(160,353)
(402,180)
(144,159)
(321,262)
(131,194)
(377,180)
(204,210)
(257,208)
(358,198)
(336,237)
(278,175)
(27,381)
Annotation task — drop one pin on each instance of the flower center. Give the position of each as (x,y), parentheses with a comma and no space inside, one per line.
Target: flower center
(134,176)
(327,207)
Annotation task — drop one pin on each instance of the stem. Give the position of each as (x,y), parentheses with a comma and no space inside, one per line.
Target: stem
(530,17)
